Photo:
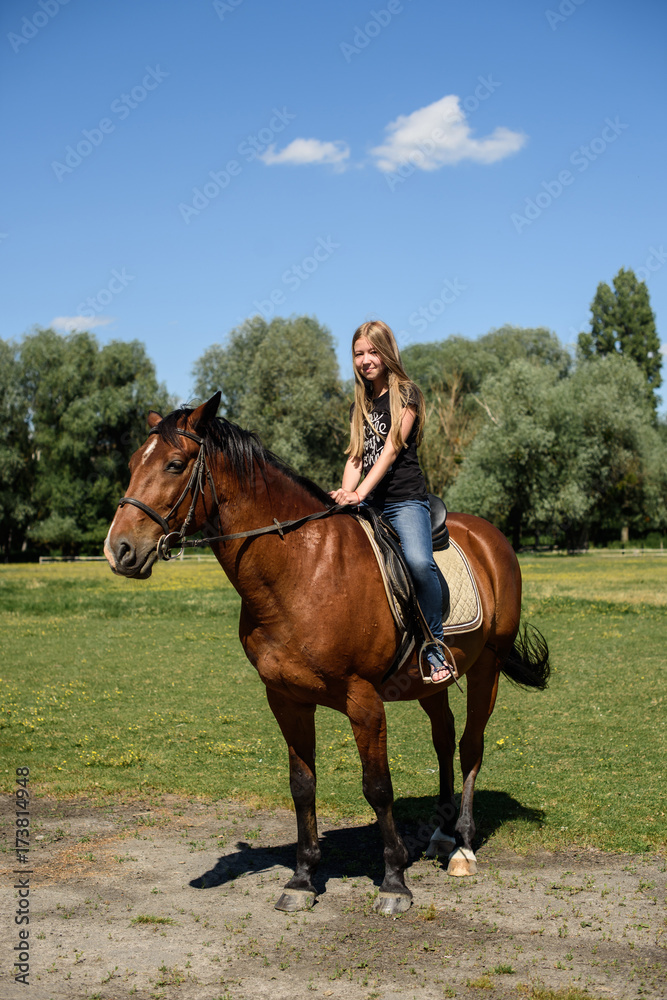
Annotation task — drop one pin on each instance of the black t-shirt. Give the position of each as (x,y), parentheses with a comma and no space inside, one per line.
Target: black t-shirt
(404,479)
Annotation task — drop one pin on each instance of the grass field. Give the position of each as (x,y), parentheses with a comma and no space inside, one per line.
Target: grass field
(115,686)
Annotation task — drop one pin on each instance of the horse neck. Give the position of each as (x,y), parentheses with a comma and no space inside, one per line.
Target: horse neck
(273,495)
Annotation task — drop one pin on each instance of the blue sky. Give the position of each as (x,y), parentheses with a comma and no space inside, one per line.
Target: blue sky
(172,168)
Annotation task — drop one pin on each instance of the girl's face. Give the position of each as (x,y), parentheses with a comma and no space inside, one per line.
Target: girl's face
(368,363)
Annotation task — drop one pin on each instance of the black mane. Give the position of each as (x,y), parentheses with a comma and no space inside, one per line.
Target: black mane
(241,449)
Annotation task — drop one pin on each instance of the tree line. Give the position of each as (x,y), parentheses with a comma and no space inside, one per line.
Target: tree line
(549,445)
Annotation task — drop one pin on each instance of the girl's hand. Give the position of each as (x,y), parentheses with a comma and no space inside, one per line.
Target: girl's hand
(345,498)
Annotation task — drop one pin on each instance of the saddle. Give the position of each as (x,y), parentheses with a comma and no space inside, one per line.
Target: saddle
(396,568)
(398,576)
(462,614)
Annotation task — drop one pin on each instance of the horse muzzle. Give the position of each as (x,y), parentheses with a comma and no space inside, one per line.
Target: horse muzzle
(127,559)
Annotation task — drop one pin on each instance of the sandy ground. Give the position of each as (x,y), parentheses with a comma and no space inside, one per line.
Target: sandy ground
(174,898)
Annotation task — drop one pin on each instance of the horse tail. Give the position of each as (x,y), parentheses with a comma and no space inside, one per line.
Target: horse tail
(527,662)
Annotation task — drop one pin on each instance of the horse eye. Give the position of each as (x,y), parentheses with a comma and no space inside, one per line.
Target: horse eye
(175,466)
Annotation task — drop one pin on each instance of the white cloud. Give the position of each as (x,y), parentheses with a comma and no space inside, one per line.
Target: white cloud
(302,151)
(439,135)
(78,323)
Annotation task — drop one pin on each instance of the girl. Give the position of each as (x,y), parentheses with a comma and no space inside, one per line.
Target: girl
(386,425)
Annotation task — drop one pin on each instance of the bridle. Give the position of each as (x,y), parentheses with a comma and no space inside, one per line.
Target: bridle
(196,485)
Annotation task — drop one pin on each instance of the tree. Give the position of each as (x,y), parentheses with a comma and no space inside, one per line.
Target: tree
(452,374)
(576,458)
(87,409)
(280,379)
(535,344)
(505,472)
(451,426)
(622,322)
(16,463)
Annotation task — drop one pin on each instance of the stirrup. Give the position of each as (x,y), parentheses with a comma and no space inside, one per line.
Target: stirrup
(449,664)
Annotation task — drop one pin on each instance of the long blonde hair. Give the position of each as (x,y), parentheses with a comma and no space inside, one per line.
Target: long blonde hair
(402,390)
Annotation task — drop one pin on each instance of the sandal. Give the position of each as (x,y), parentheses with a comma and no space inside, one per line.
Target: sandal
(440,669)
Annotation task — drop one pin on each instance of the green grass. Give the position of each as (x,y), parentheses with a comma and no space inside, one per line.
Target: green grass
(148,919)
(117,686)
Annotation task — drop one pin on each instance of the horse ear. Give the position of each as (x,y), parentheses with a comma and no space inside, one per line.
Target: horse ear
(153,418)
(206,411)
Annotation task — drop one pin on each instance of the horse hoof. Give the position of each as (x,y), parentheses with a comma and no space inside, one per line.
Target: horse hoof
(390,904)
(462,862)
(296,899)
(441,844)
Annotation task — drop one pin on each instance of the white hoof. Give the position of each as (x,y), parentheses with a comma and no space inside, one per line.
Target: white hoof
(440,845)
(462,862)
(390,904)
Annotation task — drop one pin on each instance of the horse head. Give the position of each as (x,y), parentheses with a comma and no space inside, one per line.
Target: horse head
(166,476)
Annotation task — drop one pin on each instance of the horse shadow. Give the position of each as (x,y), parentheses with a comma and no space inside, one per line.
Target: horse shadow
(356,851)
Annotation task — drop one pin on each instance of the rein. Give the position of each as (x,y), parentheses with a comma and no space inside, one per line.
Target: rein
(196,485)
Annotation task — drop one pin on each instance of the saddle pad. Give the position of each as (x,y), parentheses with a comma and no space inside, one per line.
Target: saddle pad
(465,607)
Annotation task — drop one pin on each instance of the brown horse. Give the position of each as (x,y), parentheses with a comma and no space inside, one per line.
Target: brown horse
(315,621)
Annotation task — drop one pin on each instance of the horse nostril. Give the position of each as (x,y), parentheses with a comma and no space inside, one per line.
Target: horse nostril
(125,554)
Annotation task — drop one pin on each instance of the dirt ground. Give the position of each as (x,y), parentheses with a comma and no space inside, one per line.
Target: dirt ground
(174,898)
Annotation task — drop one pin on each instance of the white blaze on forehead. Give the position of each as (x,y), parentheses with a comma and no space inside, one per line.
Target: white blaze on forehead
(149,450)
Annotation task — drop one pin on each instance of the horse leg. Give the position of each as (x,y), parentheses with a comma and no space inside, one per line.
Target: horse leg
(443,840)
(366,713)
(482,688)
(297,723)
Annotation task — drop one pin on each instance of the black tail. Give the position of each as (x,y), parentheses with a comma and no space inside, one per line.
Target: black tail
(527,663)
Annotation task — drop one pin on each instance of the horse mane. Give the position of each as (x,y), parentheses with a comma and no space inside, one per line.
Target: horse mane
(241,448)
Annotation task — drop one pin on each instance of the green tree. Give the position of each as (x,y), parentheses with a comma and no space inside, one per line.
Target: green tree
(16,463)
(281,380)
(469,362)
(504,474)
(622,322)
(452,374)
(87,409)
(535,344)
(576,458)
(607,459)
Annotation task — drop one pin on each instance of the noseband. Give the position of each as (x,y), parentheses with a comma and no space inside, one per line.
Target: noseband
(195,485)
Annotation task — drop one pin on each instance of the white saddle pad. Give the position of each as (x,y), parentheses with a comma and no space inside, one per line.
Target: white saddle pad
(465,607)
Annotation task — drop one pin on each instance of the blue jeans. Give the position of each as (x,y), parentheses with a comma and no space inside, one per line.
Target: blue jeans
(411,519)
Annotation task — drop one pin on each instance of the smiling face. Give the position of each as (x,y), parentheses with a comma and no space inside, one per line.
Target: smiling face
(370,365)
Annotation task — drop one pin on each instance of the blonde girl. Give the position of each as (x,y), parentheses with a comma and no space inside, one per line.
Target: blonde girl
(386,425)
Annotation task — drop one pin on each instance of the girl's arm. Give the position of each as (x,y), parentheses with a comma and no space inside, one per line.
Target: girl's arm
(351,476)
(387,455)
(349,494)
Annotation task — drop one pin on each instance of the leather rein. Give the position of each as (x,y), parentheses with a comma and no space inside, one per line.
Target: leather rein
(196,485)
